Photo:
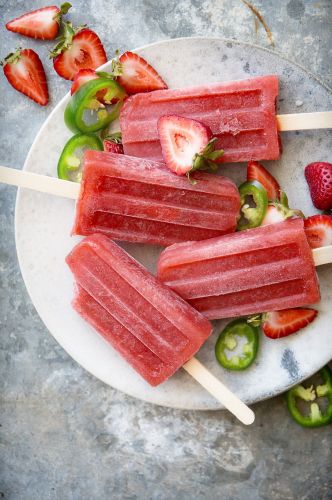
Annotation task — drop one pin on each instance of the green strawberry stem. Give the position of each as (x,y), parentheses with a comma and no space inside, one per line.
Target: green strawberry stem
(206,159)
(66,38)
(256,319)
(287,212)
(116,137)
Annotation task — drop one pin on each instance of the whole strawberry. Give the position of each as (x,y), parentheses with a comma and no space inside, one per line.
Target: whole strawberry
(319,179)
(113,143)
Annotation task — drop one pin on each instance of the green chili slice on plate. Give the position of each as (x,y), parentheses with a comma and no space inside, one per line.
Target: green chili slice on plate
(70,161)
(86,113)
(254,202)
(310,405)
(237,345)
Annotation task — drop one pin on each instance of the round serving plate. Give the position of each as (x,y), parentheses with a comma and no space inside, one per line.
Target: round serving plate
(43,225)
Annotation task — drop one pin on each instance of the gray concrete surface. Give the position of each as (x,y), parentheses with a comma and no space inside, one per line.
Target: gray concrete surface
(65,435)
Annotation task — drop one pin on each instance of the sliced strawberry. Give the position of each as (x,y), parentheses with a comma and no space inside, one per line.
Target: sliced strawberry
(81,77)
(137,75)
(277,212)
(256,172)
(318,229)
(24,71)
(41,23)
(78,48)
(187,145)
(319,179)
(273,215)
(86,75)
(279,324)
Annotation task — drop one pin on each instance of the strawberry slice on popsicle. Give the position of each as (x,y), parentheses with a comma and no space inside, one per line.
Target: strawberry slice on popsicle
(241,114)
(187,145)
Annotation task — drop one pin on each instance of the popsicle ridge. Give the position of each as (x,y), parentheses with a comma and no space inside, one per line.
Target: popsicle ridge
(144,361)
(261,269)
(138,306)
(139,200)
(241,115)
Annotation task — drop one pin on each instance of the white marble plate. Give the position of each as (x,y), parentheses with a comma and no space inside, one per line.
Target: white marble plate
(43,239)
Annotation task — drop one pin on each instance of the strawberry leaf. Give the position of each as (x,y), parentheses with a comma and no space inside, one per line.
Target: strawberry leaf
(206,159)
(287,212)
(116,137)
(63,10)
(105,74)
(13,57)
(116,68)
(66,38)
(65,7)
(255,319)
(284,199)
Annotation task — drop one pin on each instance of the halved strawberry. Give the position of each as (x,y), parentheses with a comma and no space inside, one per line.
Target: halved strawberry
(278,212)
(24,71)
(81,77)
(318,229)
(79,48)
(187,145)
(86,75)
(279,324)
(137,75)
(41,23)
(256,172)
(113,143)
(273,215)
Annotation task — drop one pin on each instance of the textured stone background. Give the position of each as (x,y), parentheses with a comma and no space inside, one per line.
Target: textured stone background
(65,435)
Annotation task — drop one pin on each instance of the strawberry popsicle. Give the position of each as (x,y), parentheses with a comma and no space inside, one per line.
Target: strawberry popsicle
(146,322)
(263,269)
(130,199)
(240,113)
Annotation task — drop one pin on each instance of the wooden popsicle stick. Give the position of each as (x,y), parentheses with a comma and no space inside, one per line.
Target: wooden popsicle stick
(213,385)
(322,255)
(37,182)
(305,121)
(67,189)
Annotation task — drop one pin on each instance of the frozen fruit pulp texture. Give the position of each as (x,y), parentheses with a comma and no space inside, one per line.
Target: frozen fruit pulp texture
(147,323)
(241,114)
(130,199)
(263,269)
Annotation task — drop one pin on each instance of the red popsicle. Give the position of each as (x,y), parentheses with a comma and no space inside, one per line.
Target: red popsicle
(130,199)
(240,113)
(263,269)
(148,324)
